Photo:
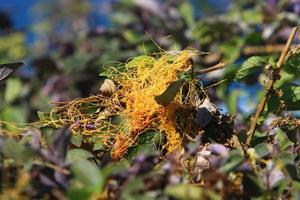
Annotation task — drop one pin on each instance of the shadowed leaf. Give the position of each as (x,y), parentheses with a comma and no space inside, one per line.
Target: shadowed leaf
(8,68)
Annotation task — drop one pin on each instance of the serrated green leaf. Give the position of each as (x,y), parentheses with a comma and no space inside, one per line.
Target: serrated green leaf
(292,65)
(250,65)
(168,95)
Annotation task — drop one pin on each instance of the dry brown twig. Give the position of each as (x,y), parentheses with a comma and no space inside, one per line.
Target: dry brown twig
(268,49)
(218,66)
(270,85)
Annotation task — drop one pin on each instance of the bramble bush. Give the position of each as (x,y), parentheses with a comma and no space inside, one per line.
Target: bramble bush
(211,112)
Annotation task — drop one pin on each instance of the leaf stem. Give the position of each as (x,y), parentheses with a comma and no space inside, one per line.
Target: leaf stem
(269,88)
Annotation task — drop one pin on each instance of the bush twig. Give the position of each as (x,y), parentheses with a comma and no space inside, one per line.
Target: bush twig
(218,66)
(269,88)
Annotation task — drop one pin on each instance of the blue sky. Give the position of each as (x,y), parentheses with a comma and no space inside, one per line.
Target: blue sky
(19,11)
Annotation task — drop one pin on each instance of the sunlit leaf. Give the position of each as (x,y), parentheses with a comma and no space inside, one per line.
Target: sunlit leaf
(168,95)
(262,150)
(250,65)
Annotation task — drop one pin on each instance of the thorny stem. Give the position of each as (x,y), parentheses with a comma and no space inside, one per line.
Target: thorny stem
(218,66)
(269,88)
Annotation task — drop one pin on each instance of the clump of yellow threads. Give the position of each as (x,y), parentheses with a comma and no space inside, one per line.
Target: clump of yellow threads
(138,82)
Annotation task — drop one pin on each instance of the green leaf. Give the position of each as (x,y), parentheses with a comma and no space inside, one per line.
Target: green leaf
(283,140)
(252,16)
(143,59)
(250,65)
(187,12)
(184,191)
(253,184)
(190,192)
(286,158)
(234,159)
(262,150)
(146,144)
(232,101)
(130,190)
(292,65)
(76,139)
(292,171)
(168,95)
(98,146)
(132,37)
(42,115)
(13,89)
(78,154)
(231,49)
(87,174)
(79,193)
(291,98)
(8,68)
(13,115)
(15,150)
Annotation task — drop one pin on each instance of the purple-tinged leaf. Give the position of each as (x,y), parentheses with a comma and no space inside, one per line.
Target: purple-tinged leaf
(218,149)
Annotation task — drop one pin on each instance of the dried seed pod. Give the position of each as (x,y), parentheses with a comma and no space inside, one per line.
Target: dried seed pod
(108,87)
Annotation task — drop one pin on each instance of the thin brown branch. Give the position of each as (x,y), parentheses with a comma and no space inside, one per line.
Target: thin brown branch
(268,49)
(54,167)
(218,66)
(269,88)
